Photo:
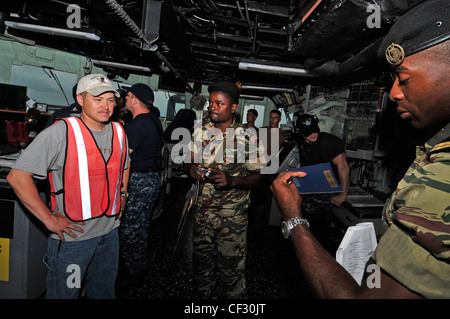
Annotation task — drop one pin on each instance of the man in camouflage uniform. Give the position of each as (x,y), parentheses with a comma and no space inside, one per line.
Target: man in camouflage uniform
(414,251)
(220,228)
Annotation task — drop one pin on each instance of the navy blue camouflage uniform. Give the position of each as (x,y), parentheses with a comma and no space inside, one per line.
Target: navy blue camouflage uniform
(144,134)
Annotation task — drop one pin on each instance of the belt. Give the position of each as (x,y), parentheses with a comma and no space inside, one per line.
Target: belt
(145,170)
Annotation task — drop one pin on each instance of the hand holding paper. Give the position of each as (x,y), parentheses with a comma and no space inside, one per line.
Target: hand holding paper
(356,247)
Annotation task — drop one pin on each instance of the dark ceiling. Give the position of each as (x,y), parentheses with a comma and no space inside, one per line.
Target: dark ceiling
(200,41)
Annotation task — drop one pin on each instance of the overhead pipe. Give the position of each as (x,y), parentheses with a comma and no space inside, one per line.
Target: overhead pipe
(130,23)
(266,88)
(238,6)
(276,69)
(262,7)
(250,29)
(313,7)
(255,32)
(364,57)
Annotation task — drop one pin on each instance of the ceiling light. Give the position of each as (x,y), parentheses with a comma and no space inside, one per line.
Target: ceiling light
(72,33)
(121,65)
(266,68)
(266,88)
(251,97)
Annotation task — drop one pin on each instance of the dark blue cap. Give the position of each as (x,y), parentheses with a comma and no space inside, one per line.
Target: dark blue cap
(307,124)
(143,92)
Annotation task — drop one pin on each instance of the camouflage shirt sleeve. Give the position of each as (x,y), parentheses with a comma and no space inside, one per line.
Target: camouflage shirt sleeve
(415,248)
(235,152)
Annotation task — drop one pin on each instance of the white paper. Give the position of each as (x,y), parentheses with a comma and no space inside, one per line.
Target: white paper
(356,247)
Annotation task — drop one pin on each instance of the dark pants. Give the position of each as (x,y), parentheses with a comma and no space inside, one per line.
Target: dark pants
(143,190)
(317,209)
(70,261)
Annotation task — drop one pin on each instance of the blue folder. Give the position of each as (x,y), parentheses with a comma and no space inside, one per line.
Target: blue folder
(319,179)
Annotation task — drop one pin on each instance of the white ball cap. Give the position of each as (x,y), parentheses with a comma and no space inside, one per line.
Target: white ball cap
(96,84)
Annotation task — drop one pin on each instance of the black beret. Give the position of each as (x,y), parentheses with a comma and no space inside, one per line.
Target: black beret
(422,27)
(226,87)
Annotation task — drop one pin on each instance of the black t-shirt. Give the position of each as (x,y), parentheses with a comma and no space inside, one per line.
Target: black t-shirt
(71,110)
(144,135)
(326,148)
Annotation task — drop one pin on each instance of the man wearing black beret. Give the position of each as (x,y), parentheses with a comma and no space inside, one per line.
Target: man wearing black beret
(412,259)
(220,227)
(226,87)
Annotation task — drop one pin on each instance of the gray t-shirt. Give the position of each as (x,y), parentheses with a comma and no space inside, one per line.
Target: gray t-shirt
(47,153)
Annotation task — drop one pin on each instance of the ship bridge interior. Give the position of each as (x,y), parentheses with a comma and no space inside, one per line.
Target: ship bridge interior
(320,57)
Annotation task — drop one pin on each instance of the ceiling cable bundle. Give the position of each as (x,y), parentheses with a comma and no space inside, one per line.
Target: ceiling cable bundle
(129,22)
(135,28)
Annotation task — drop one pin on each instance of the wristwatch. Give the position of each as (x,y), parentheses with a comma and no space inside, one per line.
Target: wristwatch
(124,194)
(288,226)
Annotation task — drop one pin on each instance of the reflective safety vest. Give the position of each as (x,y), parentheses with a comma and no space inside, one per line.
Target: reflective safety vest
(91,185)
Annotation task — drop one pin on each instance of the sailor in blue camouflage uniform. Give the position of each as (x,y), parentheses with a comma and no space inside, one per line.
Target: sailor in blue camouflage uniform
(144,134)
(220,227)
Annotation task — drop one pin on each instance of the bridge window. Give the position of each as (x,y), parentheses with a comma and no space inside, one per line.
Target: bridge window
(45,85)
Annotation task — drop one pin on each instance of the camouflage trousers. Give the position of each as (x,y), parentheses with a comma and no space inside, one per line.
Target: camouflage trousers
(220,242)
(143,190)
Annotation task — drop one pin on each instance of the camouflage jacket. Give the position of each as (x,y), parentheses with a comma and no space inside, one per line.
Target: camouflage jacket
(415,248)
(236,155)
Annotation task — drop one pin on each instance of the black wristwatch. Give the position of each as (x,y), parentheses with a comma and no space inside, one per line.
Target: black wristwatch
(289,225)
